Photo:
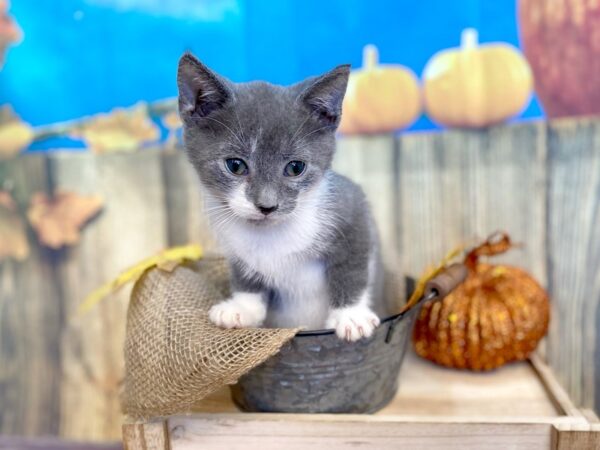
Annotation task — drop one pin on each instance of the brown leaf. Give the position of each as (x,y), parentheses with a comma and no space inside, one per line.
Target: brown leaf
(57,220)
(120,130)
(10,33)
(171,121)
(13,236)
(15,135)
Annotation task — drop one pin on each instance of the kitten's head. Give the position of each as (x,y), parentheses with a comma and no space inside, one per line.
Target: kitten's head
(259,148)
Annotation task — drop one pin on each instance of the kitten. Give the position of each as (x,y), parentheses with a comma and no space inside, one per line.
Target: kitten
(300,239)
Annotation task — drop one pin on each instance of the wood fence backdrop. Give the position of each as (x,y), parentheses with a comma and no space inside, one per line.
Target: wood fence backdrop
(539,181)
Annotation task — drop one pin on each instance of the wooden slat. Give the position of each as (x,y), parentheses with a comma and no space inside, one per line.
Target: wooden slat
(131,227)
(30,322)
(341,432)
(51,443)
(187,222)
(574,256)
(576,437)
(458,186)
(556,393)
(146,436)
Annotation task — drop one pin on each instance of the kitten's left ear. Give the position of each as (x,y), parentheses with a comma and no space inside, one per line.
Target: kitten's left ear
(201,91)
(326,94)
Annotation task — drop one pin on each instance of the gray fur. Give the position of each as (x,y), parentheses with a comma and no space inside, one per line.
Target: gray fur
(267,126)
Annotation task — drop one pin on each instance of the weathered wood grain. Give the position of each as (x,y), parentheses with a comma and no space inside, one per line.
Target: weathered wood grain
(187,222)
(146,436)
(131,227)
(574,256)
(458,186)
(30,321)
(52,443)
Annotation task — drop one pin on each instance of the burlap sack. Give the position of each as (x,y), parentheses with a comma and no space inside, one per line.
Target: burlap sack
(174,356)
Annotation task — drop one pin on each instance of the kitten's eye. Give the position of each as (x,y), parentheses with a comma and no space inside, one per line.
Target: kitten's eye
(236,166)
(294,168)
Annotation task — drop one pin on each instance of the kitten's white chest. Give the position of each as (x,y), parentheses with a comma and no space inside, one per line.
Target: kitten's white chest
(284,260)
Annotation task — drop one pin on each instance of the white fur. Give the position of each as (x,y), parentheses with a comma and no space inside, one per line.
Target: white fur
(243,207)
(284,253)
(354,322)
(242,310)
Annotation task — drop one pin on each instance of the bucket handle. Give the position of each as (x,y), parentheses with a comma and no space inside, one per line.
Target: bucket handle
(435,289)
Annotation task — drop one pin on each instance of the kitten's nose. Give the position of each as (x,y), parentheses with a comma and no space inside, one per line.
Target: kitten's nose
(266,210)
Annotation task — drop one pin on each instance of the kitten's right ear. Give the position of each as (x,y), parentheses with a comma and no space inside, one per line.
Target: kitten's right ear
(201,91)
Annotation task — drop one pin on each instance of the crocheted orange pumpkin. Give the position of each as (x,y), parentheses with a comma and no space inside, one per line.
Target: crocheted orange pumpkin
(498,314)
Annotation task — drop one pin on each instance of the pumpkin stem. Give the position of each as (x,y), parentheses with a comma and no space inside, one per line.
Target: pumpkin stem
(370,56)
(498,242)
(469,38)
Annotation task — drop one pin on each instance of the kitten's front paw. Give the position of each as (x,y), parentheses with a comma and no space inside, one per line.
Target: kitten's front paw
(242,310)
(353,322)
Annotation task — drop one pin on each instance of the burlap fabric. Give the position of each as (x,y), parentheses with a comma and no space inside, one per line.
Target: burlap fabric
(174,356)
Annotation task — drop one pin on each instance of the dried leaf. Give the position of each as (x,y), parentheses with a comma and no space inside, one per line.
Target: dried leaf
(13,236)
(120,130)
(10,33)
(167,260)
(172,121)
(57,220)
(15,135)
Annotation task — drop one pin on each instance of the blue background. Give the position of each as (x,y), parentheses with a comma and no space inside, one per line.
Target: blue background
(81,57)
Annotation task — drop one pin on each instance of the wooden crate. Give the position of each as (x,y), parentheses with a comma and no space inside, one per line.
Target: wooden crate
(518,406)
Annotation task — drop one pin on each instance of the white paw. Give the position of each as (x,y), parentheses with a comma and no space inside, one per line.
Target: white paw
(353,323)
(242,310)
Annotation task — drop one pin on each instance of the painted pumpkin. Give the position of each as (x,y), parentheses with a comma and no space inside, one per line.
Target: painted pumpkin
(498,314)
(476,86)
(561,39)
(380,98)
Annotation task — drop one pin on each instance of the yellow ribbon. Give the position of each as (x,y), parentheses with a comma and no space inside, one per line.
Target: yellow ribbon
(166,260)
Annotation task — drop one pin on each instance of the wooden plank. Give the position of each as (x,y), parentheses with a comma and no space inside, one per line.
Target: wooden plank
(50,443)
(459,186)
(574,255)
(341,432)
(146,436)
(131,227)
(187,222)
(576,437)
(30,321)
(426,389)
(555,391)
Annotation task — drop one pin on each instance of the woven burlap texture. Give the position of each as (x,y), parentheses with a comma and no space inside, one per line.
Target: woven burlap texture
(174,356)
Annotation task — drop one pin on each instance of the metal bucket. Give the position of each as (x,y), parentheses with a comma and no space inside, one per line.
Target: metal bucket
(316,372)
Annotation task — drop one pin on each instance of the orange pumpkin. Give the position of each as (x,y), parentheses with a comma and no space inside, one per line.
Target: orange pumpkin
(380,98)
(561,39)
(476,85)
(498,314)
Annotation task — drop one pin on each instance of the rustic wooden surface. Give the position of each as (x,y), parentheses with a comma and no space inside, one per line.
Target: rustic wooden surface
(131,227)
(573,237)
(31,321)
(52,443)
(513,407)
(429,192)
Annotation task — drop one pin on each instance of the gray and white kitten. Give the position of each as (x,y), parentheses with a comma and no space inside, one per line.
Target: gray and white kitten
(300,238)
